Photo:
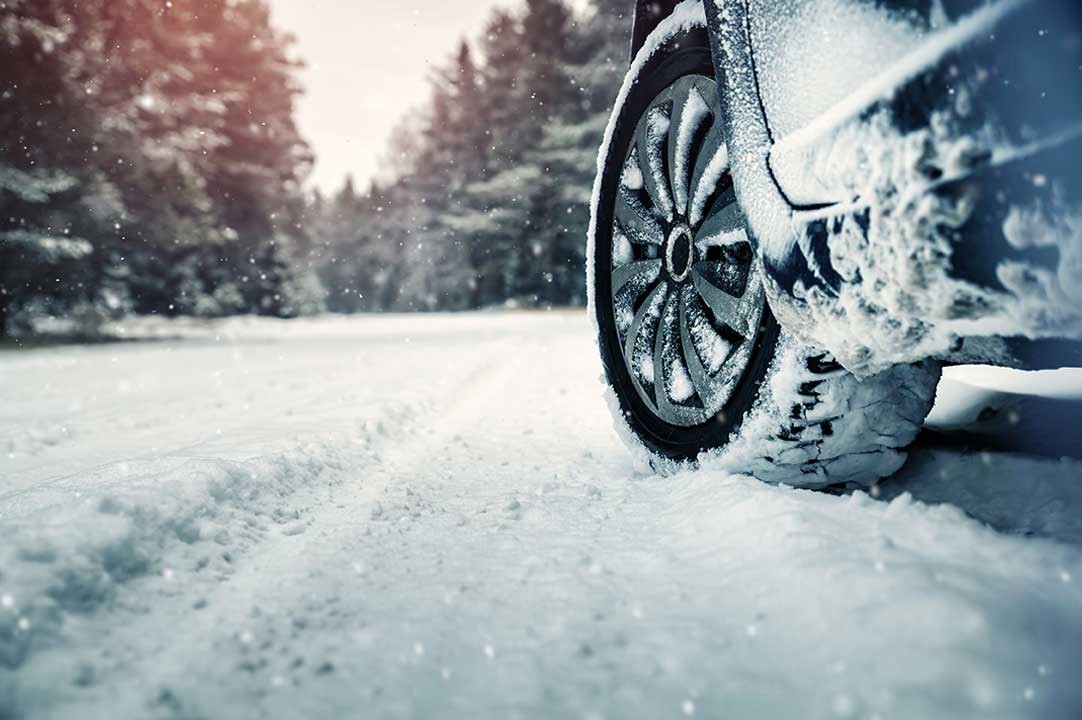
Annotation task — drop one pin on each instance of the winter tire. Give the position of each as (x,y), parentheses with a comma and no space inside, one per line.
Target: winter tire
(696,365)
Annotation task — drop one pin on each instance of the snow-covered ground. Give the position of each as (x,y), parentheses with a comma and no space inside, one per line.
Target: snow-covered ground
(432,517)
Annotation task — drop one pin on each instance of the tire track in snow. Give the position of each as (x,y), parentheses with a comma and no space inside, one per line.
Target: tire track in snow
(73,563)
(193,553)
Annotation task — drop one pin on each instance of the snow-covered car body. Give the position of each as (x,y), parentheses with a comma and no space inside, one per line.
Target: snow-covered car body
(908,169)
(805,208)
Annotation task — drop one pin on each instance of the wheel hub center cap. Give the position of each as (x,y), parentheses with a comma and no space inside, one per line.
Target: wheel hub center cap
(679,253)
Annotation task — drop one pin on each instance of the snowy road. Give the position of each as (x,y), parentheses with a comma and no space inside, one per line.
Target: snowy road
(432,517)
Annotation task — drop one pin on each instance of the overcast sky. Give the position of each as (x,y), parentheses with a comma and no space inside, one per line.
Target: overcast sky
(368,63)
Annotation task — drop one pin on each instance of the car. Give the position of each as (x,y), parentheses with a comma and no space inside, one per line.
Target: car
(805,209)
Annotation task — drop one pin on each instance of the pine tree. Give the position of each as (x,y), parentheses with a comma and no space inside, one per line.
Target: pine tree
(52,203)
(149,160)
(490,198)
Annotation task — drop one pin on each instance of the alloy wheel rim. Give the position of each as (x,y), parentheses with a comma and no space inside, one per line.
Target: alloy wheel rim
(686,296)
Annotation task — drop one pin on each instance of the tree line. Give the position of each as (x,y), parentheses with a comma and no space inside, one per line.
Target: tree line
(487,196)
(150,163)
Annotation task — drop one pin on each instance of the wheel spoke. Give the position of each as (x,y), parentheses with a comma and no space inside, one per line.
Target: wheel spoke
(636,221)
(711,164)
(643,271)
(628,284)
(673,385)
(690,112)
(724,226)
(706,343)
(699,373)
(639,345)
(739,313)
(652,135)
(661,359)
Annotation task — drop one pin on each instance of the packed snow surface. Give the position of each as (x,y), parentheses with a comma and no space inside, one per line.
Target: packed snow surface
(432,517)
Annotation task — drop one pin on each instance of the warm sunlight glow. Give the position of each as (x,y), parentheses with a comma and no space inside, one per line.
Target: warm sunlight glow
(368,63)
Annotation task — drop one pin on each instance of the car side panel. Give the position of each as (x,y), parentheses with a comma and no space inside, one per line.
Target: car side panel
(810,54)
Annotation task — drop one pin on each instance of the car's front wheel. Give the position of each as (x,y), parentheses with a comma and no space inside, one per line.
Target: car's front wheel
(694,360)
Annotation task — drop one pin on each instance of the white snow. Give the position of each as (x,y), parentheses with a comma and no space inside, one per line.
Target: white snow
(680,386)
(692,116)
(713,349)
(723,238)
(812,54)
(631,177)
(709,180)
(927,50)
(652,144)
(899,300)
(622,253)
(431,516)
(1064,383)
